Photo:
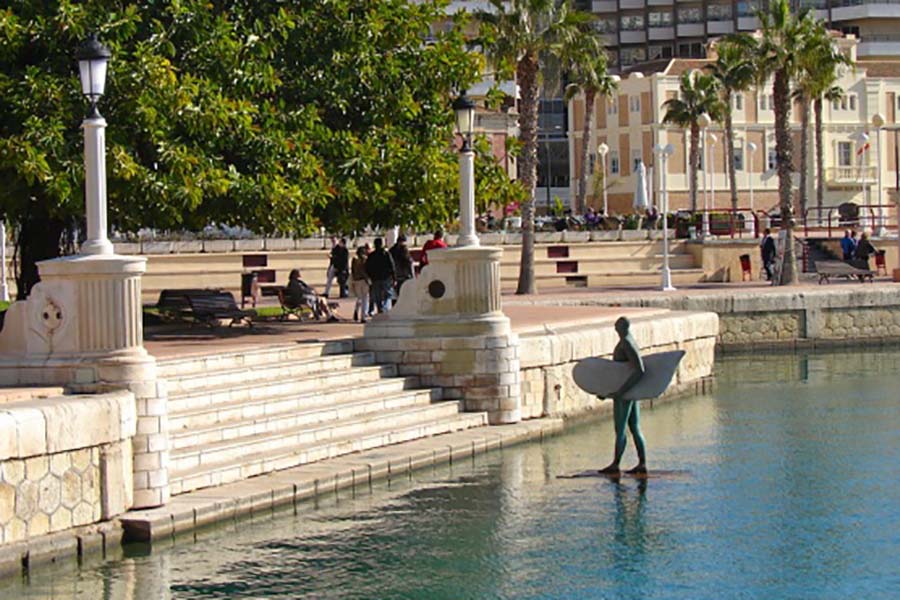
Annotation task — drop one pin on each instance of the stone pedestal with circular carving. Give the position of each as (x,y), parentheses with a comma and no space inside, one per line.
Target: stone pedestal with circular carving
(448,329)
(81,326)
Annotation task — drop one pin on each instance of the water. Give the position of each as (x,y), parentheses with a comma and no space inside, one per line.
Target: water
(790,491)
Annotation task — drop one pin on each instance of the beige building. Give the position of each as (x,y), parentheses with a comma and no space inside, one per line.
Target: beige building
(631,125)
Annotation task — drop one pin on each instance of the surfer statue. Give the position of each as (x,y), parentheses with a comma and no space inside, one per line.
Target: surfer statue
(627,412)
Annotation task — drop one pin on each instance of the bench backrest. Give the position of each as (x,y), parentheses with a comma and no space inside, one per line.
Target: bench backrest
(178,299)
(220,303)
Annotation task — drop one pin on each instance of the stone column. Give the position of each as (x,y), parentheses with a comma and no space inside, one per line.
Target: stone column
(467,235)
(95,187)
(448,328)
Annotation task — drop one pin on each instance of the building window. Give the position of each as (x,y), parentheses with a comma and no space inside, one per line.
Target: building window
(844,103)
(660,52)
(771,102)
(690,15)
(853,102)
(636,160)
(719,12)
(614,162)
(845,154)
(661,19)
(612,107)
(762,102)
(771,160)
(631,56)
(606,25)
(738,159)
(835,104)
(635,102)
(738,102)
(747,9)
(632,23)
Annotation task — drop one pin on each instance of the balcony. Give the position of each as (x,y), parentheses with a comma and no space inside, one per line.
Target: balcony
(748,24)
(879,45)
(632,37)
(659,2)
(849,177)
(720,27)
(661,33)
(691,29)
(847,10)
(605,6)
(626,4)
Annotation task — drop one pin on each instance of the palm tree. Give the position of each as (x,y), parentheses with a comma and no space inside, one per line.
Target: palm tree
(587,72)
(779,55)
(518,36)
(734,71)
(821,62)
(698,95)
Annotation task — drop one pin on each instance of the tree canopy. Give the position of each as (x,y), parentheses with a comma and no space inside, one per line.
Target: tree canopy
(279,116)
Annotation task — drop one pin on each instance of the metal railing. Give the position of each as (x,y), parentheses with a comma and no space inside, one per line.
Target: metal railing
(870,216)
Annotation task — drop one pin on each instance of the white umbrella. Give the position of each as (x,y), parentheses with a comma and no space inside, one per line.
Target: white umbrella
(640,190)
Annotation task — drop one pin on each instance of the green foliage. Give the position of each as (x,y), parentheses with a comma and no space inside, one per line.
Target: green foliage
(493,187)
(698,94)
(277,116)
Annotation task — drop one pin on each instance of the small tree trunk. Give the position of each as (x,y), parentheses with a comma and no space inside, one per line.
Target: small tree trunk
(804,155)
(729,152)
(526,74)
(38,240)
(783,151)
(586,134)
(694,159)
(820,158)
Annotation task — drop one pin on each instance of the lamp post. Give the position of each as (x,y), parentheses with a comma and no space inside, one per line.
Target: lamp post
(751,149)
(4,290)
(93,58)
(704,121)
(878,123)
(664,153)
(603,150)
(712,173)
(861,138)
(464,108)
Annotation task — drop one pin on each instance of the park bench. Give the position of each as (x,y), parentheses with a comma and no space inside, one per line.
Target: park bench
(209,309)
(836,268)
(174,304)
(301,311)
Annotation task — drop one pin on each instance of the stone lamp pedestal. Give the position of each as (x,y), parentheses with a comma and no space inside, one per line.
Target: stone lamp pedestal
(81,327)
(448,329)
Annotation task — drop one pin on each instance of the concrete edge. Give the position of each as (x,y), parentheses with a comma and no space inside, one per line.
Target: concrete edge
(101,539)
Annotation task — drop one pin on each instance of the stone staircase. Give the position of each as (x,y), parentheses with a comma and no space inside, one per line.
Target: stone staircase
(623,263)
(235,415)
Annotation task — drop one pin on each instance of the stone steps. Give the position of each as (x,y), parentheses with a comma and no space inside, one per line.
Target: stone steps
(193,419)
(296,454)
(283,420)
(257,390)
(289,369)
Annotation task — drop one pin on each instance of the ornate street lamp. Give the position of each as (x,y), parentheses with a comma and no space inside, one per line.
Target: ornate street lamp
(93,58)
(751,150)
(603,150)
(664,152)
(464,108)
(878,123)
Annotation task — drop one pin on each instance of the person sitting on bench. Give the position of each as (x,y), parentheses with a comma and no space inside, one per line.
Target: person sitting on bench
(298,293)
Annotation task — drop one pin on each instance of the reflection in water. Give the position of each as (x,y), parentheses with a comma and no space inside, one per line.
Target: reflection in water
(790,491)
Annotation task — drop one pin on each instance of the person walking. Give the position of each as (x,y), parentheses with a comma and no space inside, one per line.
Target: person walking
(381,272)
(330,273)
(359,285)
(403,264)
(436,242)
(340,262)
(768,251)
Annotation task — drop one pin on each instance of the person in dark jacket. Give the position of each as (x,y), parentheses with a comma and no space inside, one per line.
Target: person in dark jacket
(381,272)
(403,263)
(340,264)
(864,249)
(768,251)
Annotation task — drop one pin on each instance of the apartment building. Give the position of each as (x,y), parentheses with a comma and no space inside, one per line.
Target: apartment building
(631,126)
(638,31)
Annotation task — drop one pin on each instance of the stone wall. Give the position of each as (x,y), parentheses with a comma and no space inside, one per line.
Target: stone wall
(547,358)
(64,462)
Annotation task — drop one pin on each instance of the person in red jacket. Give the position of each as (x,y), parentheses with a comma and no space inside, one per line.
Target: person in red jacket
(436,242)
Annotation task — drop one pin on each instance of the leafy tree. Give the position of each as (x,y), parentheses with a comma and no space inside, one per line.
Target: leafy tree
(276,116)
(493,186)
(778,55)
(587,72)
(733,69)
(519,36)
(698,94)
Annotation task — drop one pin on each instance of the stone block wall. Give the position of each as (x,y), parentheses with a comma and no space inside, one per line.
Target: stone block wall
(547,358)
(762,327)
(64,462)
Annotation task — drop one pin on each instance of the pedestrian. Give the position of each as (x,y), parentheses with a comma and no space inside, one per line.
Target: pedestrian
(864,249)
(380,269)
(403,264)
(299,293)
(330,274)
(848,245)
(340,262)
(768,251)
(436,242)
(359,285)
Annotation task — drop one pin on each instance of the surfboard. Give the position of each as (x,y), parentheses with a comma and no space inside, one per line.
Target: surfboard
(651,474)
(603,377)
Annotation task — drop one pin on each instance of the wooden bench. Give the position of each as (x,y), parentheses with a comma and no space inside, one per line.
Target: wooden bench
(174,304)
(221,306)
(836,268)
